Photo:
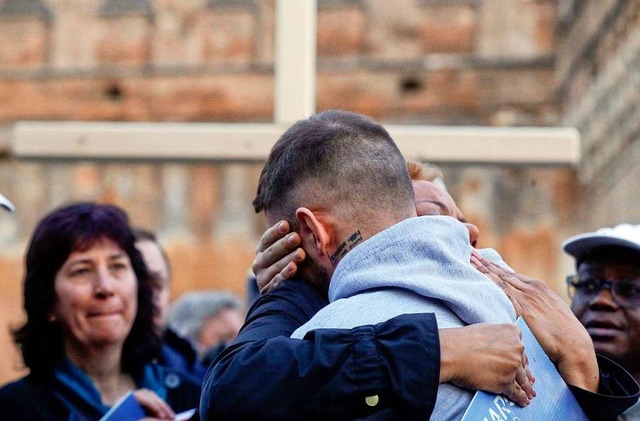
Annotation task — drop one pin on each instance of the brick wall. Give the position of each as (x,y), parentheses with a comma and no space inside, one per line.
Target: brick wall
(468,62)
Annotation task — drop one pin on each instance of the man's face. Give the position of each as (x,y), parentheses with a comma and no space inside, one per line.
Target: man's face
(433,200)
(614,328)
(159,271)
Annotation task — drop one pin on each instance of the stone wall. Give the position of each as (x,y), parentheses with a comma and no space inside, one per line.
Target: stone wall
(462,62)
(598,84)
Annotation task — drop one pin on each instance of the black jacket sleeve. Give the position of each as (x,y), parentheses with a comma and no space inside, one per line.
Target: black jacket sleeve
(617,392)
(264,374)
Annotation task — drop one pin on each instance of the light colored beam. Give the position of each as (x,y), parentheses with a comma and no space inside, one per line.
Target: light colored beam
(295,61)
(144,141)
(252,142)
(501,145)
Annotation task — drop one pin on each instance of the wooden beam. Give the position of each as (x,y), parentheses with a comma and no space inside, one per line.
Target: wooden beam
(295,98)
(252,142)
(295,63)
(144,141)
(489,145)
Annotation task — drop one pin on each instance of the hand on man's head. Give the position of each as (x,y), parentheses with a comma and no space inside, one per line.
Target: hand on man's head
(277,256)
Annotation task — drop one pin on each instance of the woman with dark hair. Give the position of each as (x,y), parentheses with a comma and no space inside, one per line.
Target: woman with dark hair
(89,337)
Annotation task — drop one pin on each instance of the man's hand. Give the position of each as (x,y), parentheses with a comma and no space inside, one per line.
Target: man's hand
(487,357)
(153,405)
(560,334)
(277,256)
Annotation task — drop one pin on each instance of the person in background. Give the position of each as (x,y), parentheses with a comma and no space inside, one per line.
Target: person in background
(159,267)
(177,352)
(89,336)
(605,294)
(209,320)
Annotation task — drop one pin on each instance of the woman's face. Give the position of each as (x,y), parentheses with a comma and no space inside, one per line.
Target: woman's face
(433,200)
(95,296)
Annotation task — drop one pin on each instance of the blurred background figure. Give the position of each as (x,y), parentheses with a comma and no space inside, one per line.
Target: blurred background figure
(159,267)
(605,294)
(177,352)
(89,336)
(209,320)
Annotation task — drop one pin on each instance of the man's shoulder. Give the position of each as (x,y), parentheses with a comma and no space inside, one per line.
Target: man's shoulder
(281,311)
(293,297)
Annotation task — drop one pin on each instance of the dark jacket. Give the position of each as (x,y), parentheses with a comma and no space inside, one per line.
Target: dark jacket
(617,392)
(178,354)
(34,399)
(264,374)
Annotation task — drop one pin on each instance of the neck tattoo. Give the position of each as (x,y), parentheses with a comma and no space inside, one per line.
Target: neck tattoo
(345,247)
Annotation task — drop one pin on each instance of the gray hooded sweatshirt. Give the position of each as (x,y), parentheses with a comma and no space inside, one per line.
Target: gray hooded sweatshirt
(420,265)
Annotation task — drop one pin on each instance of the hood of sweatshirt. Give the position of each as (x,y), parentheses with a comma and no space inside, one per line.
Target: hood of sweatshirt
(431,257)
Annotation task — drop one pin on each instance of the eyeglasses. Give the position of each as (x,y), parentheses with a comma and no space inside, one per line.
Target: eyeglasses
(625,292)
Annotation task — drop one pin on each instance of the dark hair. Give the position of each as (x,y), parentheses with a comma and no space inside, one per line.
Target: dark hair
(78,227)
(339,159)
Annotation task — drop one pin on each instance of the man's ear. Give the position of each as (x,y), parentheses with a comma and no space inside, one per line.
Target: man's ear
(312,227)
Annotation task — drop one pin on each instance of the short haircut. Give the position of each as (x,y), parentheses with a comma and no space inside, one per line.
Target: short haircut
(335,160)
(192,310)
(65,230)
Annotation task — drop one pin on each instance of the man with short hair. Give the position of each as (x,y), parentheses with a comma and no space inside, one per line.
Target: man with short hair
(315,377)
(341,179)
(605,293)
(336,373)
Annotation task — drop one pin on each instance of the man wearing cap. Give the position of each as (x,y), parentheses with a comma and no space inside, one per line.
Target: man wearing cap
(605,294)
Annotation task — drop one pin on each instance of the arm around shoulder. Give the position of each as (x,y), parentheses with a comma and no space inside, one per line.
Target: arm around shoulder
(329,374)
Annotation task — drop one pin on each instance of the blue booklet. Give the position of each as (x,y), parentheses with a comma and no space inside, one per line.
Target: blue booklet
(553,402)
(126,409)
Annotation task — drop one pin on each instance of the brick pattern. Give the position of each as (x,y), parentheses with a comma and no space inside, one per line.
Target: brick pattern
(23,43)
(599,86)
(402,61)
(140,65)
